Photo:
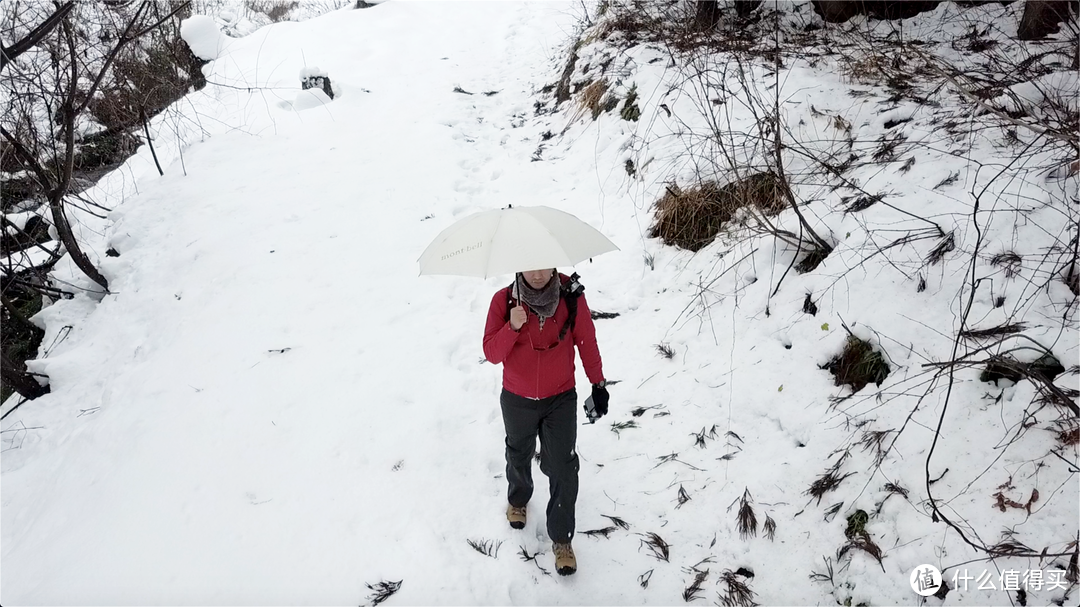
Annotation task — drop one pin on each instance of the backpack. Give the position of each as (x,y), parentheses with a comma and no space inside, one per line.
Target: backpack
(568,291)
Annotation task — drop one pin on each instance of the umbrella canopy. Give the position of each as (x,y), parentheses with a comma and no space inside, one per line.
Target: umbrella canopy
(515,239)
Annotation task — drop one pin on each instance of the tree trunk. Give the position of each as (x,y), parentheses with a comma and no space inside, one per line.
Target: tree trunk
(1042,17)
(19,319)
(707,16)
(839,11)
(743,8)
(19,380)
(56,196)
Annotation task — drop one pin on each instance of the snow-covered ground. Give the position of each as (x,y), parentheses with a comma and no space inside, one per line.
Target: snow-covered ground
(271,407)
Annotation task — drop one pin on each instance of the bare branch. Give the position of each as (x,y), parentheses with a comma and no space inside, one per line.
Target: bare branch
(9,53)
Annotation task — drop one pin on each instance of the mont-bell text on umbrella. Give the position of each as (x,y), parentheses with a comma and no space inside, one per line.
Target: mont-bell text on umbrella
(471,247)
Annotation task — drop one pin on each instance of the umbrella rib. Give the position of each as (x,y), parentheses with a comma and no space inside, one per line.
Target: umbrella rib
(491,244)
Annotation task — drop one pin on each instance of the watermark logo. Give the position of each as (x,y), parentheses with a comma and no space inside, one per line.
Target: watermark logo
(925,580)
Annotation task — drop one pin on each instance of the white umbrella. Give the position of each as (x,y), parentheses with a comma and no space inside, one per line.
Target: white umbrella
(515,239)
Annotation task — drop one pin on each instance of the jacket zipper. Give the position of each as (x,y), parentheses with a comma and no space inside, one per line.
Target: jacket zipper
(537,393)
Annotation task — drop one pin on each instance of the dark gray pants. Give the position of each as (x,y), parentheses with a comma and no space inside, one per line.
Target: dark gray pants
(555,420)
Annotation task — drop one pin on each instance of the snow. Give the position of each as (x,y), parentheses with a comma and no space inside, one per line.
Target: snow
(270,407)
(28,258)
(202,35)
(310,98)
(312,72)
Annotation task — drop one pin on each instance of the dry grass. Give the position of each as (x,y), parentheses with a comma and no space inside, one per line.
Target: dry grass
(486,547)
(1046,368)
(682,498)
(1009,261)
(859,538)
(769,528)
(857,365)
(869,68)
(861,203)
(1004,329)
(659,549)
(633,25)
(896,489)
(874,440)
(866,544)
(746,520)
(690,218)
(382,591)
(617,521)
(946,244)
(692,592)
(856,523)
(827,482)
(950,180)
(639,411)
(736,592)
(602,532)
(591,99)
(1068,432)
(644,578)
(525,556)
(887,151)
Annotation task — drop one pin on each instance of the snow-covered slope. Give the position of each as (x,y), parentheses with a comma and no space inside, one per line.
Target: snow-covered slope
(271,407)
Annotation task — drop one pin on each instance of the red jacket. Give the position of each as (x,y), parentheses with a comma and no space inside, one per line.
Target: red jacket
(535,363)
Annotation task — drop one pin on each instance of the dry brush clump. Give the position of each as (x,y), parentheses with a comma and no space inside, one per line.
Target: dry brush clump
(857,365)
(691,218)
(592,99)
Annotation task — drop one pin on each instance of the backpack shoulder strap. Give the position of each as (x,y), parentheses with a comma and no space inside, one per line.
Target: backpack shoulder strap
(571,290)
(509,299)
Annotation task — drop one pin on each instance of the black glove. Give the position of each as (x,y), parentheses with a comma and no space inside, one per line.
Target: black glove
(600,398)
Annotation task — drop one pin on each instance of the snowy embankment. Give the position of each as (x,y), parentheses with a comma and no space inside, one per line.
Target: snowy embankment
(271,407)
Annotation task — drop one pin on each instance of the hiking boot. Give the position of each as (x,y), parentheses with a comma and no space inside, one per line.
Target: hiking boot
(516,516)
(565,562)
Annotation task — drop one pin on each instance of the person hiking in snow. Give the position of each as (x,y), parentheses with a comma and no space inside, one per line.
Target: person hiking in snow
(530,331)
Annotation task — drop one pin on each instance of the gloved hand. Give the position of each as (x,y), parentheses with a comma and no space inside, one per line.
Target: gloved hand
(600,398)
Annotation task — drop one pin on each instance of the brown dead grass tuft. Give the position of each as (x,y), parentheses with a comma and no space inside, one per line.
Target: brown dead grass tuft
(691,218)
(591,98)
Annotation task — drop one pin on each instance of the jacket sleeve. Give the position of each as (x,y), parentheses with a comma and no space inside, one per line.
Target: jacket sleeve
(585,339)
(499,338)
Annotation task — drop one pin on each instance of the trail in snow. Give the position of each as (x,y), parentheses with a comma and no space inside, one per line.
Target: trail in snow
(272,407)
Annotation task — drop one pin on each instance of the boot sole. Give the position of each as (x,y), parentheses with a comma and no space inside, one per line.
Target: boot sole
(567,570)
(517,524)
